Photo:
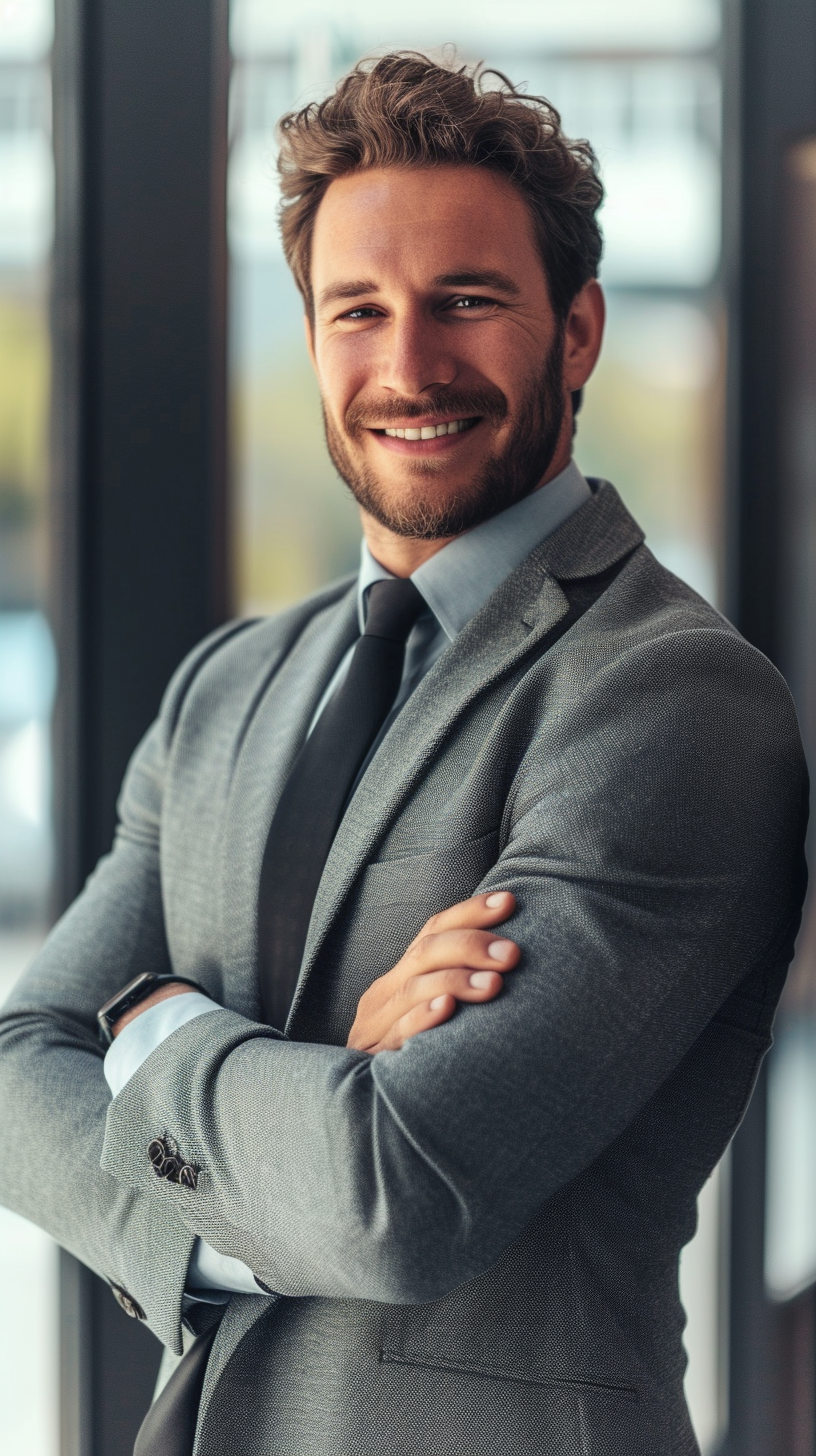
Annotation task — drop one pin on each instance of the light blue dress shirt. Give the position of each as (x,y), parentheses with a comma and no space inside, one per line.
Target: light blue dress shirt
(455,583)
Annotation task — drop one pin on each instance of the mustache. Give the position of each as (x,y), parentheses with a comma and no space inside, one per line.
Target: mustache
(487,402)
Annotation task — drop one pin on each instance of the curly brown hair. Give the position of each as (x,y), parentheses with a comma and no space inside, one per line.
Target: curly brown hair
(404,110)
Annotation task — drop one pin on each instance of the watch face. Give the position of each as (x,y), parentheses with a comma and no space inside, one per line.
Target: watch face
(130,995)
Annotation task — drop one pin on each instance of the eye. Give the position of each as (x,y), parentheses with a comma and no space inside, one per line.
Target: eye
(365,311)
(470,303)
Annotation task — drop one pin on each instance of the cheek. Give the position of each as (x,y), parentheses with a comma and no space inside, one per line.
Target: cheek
(345,369)
(504,356)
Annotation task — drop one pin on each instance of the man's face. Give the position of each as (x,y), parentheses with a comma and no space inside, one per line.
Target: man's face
(441,363)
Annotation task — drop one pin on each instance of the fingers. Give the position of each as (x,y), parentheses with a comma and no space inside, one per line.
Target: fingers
(418,1019)
(456,957)
(440,993)
(478,950)
(429,997)
(478,912)
(458,981)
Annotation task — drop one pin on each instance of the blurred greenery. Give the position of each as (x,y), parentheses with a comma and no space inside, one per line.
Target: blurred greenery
(655,432)
(297,525)
(24,396)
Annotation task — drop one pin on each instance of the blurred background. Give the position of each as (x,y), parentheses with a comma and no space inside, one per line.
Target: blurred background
(162,465)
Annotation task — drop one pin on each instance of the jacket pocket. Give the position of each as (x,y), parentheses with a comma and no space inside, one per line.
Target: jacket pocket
(439,876)
(586,1385)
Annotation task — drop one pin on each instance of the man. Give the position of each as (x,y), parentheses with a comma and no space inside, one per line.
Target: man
(485,911)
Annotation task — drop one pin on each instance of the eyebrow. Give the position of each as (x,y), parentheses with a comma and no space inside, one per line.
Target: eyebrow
(488,278)
(346,290)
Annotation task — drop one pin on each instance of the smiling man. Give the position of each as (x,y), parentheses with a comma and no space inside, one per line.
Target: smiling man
(441,939)
(443,389)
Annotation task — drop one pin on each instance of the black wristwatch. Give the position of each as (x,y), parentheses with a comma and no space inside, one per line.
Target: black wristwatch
(131,994)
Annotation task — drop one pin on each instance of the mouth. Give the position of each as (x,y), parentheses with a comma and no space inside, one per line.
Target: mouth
(429,431)
(425,437)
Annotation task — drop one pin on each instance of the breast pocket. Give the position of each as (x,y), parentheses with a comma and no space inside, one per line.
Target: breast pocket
(435,878)
(395,897)
(392,900)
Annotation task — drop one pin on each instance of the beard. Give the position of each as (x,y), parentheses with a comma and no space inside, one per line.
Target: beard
(426,512)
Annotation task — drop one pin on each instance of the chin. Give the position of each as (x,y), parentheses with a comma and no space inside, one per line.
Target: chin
(424,497)
(423,514)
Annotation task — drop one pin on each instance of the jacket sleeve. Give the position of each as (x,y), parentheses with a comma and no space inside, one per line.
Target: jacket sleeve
(53,1095)
(655,848)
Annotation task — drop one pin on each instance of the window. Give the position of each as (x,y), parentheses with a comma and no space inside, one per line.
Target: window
(28,1262)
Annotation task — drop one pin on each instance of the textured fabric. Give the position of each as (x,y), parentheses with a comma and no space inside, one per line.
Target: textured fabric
(311,805)
(476,1237)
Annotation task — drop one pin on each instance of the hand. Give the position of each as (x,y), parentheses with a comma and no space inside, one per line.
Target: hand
(454,958)
(170,988)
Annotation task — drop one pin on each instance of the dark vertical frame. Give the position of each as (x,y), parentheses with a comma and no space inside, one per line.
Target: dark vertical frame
(770,72)
(139,473)
(770,76)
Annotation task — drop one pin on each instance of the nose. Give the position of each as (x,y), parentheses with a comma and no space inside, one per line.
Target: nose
(416,356)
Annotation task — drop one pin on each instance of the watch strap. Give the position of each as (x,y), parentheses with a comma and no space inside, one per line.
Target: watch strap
(130,995)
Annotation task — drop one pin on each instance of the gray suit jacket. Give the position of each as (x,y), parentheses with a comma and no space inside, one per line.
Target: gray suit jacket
(476,1238)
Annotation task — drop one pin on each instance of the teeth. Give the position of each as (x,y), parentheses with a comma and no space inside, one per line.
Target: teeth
(428,432)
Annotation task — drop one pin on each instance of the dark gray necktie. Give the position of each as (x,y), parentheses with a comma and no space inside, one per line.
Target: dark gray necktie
(317,790)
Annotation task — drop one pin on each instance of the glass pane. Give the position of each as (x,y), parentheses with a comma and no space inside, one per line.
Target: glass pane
(28,1264)
(642,82)
(790,1227)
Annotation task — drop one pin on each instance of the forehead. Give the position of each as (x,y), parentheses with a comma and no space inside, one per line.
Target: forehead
(420,221)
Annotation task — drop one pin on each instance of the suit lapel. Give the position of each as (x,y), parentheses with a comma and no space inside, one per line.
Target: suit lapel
(267,742)
(512,623)
(242,1312)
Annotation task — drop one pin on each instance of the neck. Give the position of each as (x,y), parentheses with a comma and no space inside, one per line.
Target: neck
(403,555)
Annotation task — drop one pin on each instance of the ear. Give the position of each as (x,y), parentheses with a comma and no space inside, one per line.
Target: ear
(583,335)
(309,331)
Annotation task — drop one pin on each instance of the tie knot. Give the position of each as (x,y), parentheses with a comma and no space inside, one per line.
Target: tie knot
(393,607)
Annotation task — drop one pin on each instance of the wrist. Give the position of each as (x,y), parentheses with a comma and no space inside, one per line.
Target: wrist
(162,993)
(138,995)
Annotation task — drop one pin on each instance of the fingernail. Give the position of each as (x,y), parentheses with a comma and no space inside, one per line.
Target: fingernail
(438,1002)
(494,901)
(482,980)
(500,950)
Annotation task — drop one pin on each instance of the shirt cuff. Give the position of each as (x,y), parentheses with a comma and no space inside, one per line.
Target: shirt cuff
(210,1270)
(145,1033)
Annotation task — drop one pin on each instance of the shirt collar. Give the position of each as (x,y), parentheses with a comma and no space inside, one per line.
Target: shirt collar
(457,581)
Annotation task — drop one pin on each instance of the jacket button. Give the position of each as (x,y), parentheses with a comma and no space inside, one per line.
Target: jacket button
(168,1162)
(126,1302)
(157,1153)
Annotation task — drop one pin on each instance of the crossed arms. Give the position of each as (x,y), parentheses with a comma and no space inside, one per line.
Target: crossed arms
(453,960)
(396,1176)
